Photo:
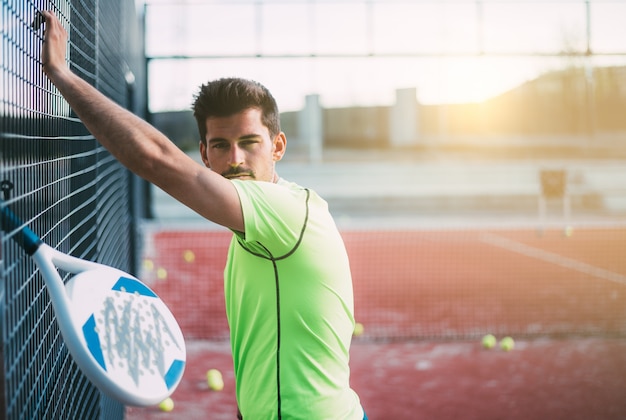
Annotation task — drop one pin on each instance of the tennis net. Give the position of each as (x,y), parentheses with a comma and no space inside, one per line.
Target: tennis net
(429,283)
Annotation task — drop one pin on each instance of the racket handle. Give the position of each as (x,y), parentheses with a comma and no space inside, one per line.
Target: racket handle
(25,238)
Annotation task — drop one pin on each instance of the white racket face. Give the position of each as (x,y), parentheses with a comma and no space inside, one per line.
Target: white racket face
(136,348)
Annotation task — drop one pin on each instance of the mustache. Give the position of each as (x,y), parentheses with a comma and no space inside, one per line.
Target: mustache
(237,171)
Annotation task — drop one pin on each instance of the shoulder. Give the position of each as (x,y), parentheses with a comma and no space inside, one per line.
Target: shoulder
(281,189)
(274,213)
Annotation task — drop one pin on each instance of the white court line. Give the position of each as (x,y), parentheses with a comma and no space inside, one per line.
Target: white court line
(549,257)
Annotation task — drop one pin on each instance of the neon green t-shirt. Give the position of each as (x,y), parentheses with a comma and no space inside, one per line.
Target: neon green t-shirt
(289,303)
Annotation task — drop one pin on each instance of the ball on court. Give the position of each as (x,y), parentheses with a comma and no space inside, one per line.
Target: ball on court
(569,231)
(167,404)
(148,264)
(358,329)
(161,273)
(189,256)
(215,380)
(507,344)
(489,341)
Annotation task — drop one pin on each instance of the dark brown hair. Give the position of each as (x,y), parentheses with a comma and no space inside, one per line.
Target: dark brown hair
(230,96)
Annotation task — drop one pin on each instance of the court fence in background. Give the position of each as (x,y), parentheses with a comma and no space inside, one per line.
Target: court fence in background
(433,282)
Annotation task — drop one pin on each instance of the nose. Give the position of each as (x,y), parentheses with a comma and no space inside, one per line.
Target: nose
(235,156)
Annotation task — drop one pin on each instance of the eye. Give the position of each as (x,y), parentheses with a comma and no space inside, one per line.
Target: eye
(219,145)
(248,142)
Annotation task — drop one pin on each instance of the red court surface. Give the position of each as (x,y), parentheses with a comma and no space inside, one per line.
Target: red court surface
(425,298)
(429,284)
(575,379)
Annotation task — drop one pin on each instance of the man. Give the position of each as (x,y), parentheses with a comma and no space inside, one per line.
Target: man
(288,288)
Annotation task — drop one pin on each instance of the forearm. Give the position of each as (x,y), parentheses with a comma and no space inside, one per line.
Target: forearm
(134,142)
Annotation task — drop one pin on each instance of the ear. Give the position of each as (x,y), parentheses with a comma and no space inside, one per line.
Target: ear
(203,154)
(279,147)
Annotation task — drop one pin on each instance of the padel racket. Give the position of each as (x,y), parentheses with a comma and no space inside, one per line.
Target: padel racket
(121,335)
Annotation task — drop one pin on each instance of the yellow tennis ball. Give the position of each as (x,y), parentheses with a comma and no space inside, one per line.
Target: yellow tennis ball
(167,404)
(215,380)
(161,273)
(189,256)
(489,341)
(358,329)
(569,231)
(507,344)
(148,264)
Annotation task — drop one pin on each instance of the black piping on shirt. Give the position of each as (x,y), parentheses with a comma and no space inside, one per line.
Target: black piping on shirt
(273,259)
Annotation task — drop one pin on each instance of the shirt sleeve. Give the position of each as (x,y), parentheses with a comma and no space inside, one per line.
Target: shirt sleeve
(274,215)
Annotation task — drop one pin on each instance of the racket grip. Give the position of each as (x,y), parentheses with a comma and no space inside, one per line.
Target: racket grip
(26,238)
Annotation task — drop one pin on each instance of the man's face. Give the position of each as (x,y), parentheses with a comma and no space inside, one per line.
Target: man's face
(239,147)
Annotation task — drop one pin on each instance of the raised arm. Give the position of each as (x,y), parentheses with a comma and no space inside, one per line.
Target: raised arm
(135,143)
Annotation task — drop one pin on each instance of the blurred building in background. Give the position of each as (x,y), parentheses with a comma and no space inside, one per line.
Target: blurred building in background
(570,111)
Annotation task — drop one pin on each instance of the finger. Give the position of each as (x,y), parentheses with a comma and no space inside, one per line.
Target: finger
(53,29)
(39,20)
(49,18)
(52,22)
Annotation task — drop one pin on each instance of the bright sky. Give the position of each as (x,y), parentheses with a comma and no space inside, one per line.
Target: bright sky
(424,44)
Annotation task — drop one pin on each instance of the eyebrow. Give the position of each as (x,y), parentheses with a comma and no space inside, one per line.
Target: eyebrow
(244,137)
